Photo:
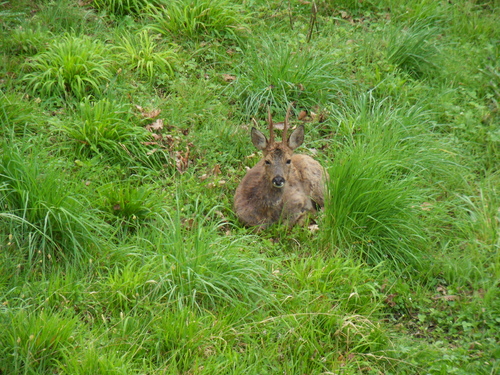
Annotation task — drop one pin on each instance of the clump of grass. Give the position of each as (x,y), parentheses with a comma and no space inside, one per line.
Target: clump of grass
(179,334)
(25,39)
(124,7)
(276,74)
(17,116)
(39,210)
(200,18)
(127,203)
(72,67)
(351,5)
(102,125)
(377,184)
(413,49)
(192,266)
(93,360)
(371,211)
(33,342)
(109,129)
(140,53)
(66,16)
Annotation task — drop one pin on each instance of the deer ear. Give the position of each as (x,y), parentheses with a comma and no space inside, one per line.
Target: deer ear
(259,140)
(296,138)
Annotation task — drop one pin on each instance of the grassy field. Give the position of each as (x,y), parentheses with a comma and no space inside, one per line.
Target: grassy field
(124,131)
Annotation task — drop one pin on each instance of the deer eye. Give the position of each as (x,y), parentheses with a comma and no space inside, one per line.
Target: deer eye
(289,161)
(267,162)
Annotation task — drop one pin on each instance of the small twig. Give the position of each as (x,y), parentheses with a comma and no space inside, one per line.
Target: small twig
(312,22)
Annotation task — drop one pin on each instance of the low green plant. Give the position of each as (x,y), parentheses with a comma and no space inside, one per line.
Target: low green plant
(17,116)
(179,333)
(109,130)
(104,124)
(33,341)
(60,16)
(124,7)
(276,74)
(413,49)
(200,18)
(40,212)
(72,67)
(93,360)
(127,203)
(372,211)
(377,189)
(190,266)
(141,54)
(25,39)
(350,5)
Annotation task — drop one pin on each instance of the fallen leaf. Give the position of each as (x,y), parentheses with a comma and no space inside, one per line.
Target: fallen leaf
(441,289)
(117,207)
(426,206)
(182,160)
(153,114)
(156,137)
(216,170)
(157,125)
(390,300)
(228,78)
(302,115)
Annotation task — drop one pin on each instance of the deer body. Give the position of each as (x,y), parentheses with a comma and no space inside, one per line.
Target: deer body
(282,186)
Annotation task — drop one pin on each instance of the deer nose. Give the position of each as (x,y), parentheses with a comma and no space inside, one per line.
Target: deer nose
(278,182)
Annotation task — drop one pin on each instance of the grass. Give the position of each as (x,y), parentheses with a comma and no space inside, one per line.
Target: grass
(275,73)
(140,52)
(199,19)
(125,132)
(71,67)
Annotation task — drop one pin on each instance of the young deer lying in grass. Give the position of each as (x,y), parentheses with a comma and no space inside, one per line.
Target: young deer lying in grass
(282,186)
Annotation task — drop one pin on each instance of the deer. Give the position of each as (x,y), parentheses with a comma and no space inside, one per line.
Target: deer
(282,186)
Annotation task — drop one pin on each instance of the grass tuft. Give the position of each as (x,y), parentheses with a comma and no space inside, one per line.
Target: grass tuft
(413,49)
(276,74)
(200,19)
(42,215)
(72,67)
(34,341)
(141,54)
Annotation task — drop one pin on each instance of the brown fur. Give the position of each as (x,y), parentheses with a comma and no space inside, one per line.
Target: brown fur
(259,201)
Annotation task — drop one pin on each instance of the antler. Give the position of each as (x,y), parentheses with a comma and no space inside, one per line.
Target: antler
(285,126)
(270,123)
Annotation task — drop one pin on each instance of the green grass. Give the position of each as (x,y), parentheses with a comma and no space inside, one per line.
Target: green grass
(71,67)
(125,132)
(199,19)
(141,54)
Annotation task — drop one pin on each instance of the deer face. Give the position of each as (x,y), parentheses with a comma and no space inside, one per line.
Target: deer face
(278,156)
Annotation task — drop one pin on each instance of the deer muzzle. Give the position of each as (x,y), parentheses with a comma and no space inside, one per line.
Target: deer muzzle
(278,182)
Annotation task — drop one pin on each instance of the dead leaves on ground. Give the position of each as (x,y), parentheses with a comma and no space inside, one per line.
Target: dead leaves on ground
(168,138)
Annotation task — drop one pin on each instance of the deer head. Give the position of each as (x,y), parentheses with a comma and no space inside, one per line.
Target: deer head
(278,155)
